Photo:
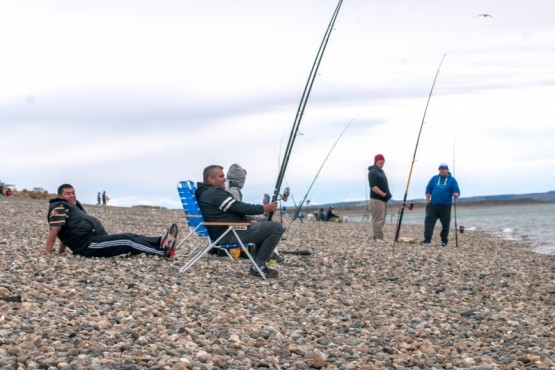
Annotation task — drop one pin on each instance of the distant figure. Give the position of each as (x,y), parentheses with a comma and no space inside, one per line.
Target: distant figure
(104,198)
(330,215)
(85,235)
(321,215)
(98,199)
(379,196)
(441,190)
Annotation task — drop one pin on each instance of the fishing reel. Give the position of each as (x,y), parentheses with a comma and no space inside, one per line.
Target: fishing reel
(285,194)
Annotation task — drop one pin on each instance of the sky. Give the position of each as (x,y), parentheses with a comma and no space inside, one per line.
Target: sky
(132,96)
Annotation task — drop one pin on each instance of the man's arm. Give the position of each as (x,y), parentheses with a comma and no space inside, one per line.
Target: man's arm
(61,248)
(51,239)
(378,191)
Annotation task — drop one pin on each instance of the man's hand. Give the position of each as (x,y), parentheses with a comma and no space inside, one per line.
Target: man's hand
(270,207)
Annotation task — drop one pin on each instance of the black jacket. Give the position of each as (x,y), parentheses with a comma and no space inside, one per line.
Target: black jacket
(80,229)
(218,205)
(376,177)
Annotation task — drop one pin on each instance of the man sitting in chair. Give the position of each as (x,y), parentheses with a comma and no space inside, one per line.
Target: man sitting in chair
(218,205)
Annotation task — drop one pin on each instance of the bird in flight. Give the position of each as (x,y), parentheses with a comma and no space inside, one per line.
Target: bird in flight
(485,15)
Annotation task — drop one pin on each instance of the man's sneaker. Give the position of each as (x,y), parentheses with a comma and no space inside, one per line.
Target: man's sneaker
(444,244)
(425,242)
(276,258)
(168,240)
(268,272)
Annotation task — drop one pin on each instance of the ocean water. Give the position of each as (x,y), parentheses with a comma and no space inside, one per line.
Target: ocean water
(531,224)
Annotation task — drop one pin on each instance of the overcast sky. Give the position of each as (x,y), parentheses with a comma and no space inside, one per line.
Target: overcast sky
(132,96)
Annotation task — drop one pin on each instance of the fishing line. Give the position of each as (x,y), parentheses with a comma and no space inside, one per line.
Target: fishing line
(298,211)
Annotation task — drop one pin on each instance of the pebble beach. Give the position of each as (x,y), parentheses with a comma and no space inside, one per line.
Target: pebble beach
(352,304)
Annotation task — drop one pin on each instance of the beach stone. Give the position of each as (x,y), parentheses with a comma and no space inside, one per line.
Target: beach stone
(351,304)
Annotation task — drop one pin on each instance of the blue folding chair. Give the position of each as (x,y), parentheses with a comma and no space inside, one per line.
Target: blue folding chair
(197,226)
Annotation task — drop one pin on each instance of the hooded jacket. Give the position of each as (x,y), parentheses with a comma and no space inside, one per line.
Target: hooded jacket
(376,177)
(442,189)
(219,205)
(236,177)
(78,228)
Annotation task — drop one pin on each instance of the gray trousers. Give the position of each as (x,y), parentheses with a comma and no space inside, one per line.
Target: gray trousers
(378,208)
(265,235)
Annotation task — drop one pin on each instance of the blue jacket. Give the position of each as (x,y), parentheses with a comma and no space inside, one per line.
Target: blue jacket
(442,189)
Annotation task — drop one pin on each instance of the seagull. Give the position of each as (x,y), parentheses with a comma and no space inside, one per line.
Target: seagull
(485,15)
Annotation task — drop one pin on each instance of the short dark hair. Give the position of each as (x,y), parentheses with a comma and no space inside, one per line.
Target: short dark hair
(209,171)
(64,186)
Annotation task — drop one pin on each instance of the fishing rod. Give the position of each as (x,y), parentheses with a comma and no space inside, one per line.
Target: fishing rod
(302,105)
(402,209)
(455,201)
(298,212)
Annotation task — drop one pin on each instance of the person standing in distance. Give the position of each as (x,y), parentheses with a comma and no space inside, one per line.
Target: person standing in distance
(441,190)
(379,196)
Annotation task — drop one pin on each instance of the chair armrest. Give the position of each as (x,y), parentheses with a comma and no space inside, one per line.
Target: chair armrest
(226,223)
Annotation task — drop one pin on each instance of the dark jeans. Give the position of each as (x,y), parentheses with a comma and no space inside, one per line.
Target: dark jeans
(114,245)
(433,212)
(264,234)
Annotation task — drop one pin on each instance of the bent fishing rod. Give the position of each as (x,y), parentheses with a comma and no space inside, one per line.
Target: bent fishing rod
(300,206)
(402,209)
(302,105)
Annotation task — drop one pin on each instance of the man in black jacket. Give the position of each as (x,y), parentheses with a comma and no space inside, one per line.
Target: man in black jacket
(379,195)
(85,235)
(218,205)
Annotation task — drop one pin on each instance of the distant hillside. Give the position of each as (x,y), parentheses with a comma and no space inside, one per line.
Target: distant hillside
(482,199)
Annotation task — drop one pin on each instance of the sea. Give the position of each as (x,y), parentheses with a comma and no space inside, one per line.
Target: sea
(531,224)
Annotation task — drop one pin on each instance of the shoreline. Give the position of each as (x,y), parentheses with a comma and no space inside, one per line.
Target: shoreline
(352,304)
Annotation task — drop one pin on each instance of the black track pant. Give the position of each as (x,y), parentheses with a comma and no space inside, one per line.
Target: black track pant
(114,245)
(433,213)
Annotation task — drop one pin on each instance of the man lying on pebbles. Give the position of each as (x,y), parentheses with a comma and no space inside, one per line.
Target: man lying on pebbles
(85,235)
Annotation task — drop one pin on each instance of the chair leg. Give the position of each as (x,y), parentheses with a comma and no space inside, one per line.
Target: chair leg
(197,257)
(245,249)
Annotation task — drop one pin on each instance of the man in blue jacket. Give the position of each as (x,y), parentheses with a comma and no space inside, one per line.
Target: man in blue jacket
(441,190)
(218,205)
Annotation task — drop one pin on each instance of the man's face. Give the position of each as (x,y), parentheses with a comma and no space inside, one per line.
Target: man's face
(69,195)
(380,163)
(218,179)
(443,172)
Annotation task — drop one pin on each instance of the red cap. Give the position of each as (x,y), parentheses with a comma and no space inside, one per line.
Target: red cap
(379,157)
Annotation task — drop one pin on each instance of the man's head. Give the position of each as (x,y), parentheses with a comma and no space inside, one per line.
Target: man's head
(214,175)
(443,169)
(379,160)
(67,192)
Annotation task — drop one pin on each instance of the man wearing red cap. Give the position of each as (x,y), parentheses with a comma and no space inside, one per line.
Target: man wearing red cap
(379,195)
